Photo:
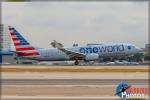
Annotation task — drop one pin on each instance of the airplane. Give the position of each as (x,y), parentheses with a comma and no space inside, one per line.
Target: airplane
(59,53)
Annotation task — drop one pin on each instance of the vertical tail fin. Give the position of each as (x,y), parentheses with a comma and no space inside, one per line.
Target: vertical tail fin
(21,44)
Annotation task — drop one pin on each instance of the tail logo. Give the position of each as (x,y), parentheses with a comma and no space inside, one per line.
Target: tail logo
(21,44)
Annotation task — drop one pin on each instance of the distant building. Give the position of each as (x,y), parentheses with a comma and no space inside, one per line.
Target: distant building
(0,43)
(5,46)
(7,57)
(5,40)
(0,58)
(1,30)
(147,54)
(147,49)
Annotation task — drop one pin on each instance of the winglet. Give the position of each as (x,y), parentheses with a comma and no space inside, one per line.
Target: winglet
(55,44)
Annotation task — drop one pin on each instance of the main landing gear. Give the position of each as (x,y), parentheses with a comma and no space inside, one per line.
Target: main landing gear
(76,62)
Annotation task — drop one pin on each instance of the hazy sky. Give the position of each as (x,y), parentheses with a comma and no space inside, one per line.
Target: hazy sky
(79,22)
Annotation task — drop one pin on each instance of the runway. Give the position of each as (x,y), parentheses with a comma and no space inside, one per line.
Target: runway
(40,85)
(65,89)
(73,81)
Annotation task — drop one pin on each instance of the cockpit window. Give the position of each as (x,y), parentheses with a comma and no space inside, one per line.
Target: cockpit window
(129,47)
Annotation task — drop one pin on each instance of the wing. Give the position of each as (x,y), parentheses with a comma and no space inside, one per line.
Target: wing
(71,54)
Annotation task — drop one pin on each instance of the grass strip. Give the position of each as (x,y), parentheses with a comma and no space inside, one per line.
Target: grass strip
(72,70)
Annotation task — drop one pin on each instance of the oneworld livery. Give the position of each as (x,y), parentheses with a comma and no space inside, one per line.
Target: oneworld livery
(87,53)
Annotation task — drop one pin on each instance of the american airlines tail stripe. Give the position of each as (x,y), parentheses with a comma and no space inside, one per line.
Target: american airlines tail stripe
(23,41)
(13,29)
(16,33)
(19,36)
(19,44)
(29,54)
(12,33)
(10,28)
(24,49)
(14,36)
(23,46)
(15,39)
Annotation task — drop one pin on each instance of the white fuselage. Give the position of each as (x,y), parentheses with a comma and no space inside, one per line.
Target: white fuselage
(54,54)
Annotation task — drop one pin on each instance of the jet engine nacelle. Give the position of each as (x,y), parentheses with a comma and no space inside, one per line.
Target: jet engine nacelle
(90,57)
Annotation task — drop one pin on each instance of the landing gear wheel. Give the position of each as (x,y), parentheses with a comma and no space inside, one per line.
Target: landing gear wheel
(76,62)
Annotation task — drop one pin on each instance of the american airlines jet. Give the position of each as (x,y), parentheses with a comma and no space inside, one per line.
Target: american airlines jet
(86,53)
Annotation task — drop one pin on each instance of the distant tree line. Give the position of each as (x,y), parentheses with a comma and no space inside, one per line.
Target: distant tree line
(134,58)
